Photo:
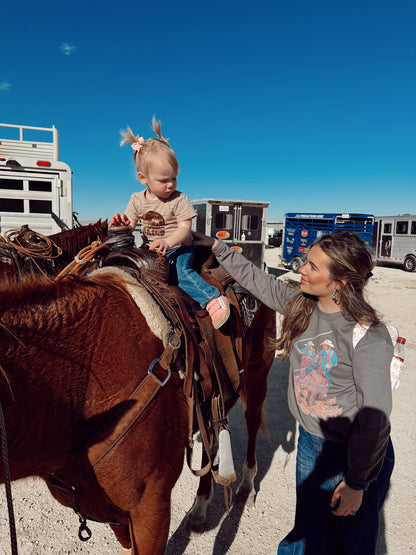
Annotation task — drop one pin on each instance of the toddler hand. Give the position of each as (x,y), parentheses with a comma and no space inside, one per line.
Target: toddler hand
(159,245)
(119,219)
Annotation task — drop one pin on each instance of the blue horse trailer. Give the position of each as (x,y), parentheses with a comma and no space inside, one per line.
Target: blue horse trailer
(302,229)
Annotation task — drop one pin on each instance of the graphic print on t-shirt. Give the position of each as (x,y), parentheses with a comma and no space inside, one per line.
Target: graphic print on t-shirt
(313,379)
(153,225)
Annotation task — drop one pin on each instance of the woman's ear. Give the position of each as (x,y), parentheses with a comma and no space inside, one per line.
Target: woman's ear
(341,283)
(142,178)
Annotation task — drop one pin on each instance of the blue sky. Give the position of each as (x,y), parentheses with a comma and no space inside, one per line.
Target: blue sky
(308,105)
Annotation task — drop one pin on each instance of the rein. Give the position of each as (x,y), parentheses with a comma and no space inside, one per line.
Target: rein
(6,474)
(32,244)
(84,259)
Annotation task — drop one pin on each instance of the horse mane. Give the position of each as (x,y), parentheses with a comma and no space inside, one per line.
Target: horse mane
(39,289)
(74,240)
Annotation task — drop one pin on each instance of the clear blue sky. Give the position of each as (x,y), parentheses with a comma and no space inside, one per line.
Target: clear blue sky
(308,105)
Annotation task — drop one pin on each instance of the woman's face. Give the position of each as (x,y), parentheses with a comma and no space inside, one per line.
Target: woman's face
(315,278)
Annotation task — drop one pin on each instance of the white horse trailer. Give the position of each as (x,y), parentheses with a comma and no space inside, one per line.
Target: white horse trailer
(35,186)
(394,240)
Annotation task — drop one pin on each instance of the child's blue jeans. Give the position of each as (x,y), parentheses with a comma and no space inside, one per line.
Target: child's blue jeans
(320,466)
(181,273)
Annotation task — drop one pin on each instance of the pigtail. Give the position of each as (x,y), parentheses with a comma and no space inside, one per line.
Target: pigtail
(156,127)
(128,136)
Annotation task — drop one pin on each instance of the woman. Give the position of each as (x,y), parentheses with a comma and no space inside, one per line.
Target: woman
(340,396)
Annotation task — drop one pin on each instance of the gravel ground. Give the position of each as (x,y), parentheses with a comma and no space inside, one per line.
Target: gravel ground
(45,527)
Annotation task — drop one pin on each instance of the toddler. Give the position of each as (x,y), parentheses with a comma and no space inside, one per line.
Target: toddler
(166,216)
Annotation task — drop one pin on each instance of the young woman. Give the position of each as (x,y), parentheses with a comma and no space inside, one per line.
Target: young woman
(339,395)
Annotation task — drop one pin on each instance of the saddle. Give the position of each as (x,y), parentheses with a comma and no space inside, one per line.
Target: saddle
(211,360)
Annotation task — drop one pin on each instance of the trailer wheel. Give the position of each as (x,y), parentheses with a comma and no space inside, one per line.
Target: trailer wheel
(295,264)
(409,264)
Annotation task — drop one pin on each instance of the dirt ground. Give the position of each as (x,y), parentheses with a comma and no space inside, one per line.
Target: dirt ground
(45,527)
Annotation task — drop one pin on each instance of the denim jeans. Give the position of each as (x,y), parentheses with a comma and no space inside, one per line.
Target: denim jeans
(182,274)
(320,466)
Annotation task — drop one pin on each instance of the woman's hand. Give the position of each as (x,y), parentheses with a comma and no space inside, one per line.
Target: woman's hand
(119,219)
(204,240)
(346,500)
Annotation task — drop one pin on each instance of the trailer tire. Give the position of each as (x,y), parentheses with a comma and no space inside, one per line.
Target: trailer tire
(409,264)
(295,264)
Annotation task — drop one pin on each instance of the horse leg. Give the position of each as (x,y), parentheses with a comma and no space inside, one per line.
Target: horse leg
(254,415)
(196,518)
(253,391)
(149,521)
(122,533)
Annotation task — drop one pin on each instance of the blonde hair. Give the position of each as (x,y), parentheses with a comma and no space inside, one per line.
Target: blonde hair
(150,148)
(350,261)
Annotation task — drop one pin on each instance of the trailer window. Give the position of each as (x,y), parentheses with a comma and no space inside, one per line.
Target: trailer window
(44,186)
(413,229)
(11,205)
(387,228)
(11,184)
(40,206)
(223,220)
(249,222)
(402,227)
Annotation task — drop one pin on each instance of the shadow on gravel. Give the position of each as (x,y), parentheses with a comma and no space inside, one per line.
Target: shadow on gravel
(281,426)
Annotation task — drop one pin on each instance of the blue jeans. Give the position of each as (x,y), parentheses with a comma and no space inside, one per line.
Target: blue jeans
(182,274)
(320,466)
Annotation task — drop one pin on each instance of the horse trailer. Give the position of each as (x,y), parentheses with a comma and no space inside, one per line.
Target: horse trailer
(35,186)
(302,229)
(240,223)
(394,241)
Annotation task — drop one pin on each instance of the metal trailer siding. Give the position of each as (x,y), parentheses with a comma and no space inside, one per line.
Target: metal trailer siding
(240,223)
(395,239)
(30,192)
(300,230)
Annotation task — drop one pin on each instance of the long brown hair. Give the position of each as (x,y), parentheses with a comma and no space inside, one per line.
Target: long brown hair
(350,262)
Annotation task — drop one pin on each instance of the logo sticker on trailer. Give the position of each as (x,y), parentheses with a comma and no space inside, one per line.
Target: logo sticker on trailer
(222,235)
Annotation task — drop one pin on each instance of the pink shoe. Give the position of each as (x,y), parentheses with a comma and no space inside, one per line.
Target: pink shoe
(219,310)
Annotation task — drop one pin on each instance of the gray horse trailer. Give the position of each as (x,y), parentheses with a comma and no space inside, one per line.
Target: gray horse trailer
(240,223)
(394,240)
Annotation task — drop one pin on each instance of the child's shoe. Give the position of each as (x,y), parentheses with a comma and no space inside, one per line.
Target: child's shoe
(219,310)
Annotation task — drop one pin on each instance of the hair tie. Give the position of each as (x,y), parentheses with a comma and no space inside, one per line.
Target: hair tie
(138,144)
(369,275)
(166,141)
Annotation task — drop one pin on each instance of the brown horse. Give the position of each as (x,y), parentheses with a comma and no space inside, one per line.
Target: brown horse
(29,251)
(75,357)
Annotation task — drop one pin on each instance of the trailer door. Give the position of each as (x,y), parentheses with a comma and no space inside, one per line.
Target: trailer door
(29,198)
(251,223)
(386,239)
(222,221)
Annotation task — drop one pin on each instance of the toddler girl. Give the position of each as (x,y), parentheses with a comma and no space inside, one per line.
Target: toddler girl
(166,216)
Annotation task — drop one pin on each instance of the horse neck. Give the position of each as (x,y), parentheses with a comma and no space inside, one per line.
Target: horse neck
(40,353)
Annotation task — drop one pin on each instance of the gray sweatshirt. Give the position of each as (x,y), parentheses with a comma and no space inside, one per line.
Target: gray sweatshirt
(335,391)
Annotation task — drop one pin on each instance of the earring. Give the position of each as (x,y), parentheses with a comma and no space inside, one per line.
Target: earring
(335,297)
